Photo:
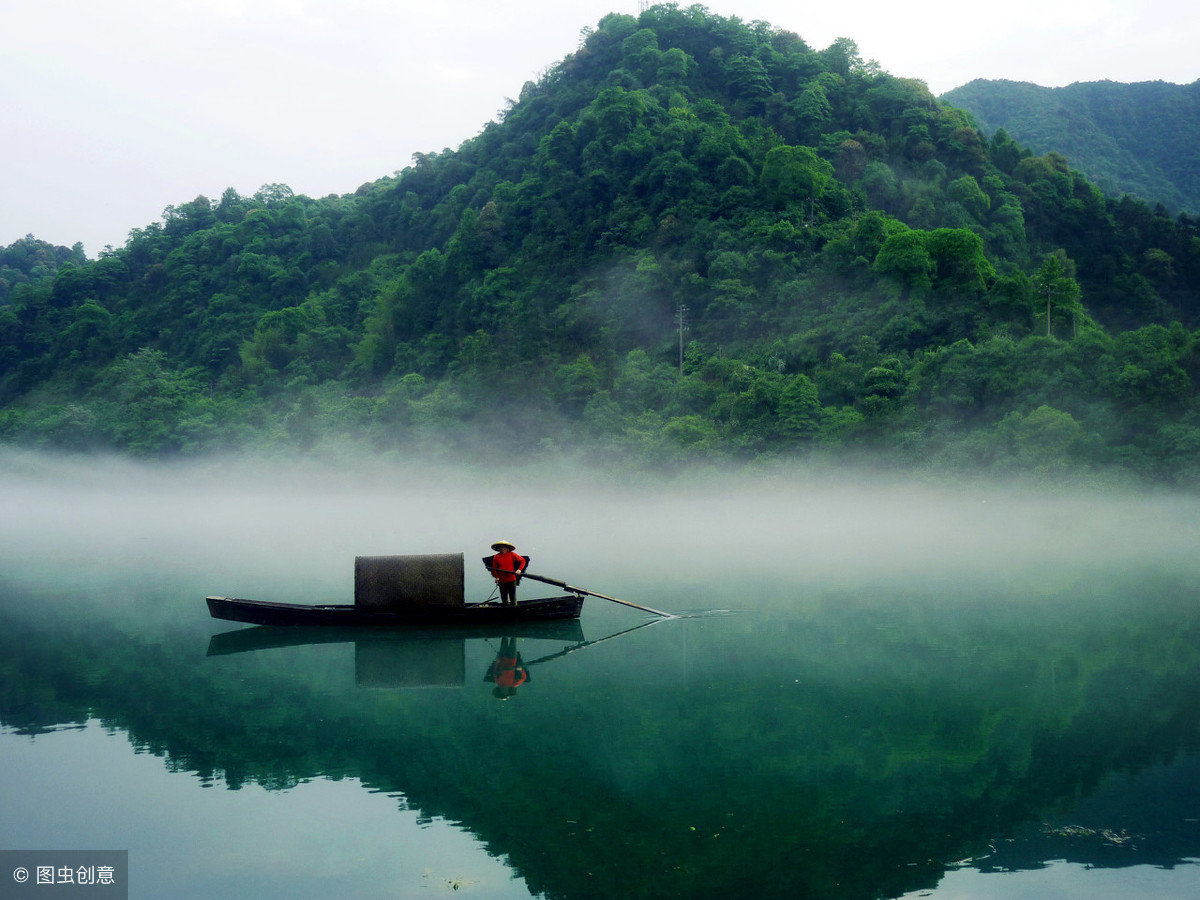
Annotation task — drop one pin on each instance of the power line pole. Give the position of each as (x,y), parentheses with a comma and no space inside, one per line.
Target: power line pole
(681,317)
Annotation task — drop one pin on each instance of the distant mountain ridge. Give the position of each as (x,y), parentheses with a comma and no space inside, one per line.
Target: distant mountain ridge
(1141,138)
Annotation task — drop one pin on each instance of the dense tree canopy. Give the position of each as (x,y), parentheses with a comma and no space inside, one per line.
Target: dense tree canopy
(693,238)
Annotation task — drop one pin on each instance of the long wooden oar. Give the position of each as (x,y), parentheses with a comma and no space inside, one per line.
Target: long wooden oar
(565,586)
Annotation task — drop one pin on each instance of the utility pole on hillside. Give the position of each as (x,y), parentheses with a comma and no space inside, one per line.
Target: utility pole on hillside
(681,317)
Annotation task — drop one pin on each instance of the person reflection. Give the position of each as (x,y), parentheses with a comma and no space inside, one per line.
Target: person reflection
(507,671)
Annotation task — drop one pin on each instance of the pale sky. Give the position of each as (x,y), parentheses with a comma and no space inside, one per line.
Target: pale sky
(113,111)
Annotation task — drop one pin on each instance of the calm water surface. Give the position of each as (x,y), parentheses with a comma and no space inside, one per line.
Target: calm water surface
(870,691)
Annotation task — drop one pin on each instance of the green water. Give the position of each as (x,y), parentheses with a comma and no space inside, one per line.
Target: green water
(870,691)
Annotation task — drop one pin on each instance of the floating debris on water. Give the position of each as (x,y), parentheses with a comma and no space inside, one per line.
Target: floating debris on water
(1105,834)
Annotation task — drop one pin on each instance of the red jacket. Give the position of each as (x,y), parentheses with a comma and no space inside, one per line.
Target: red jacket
(506,565)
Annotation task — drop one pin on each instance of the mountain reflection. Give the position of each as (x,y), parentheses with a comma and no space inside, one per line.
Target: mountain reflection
(836,746)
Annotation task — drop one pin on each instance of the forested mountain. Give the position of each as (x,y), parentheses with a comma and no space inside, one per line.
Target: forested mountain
(1139,138)
(692,239)
(29,261)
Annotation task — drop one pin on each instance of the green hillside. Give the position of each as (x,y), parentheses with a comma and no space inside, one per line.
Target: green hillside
(29,260)
(693,239)
(1140,138)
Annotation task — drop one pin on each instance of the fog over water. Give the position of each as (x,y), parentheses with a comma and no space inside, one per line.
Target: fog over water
(250,524)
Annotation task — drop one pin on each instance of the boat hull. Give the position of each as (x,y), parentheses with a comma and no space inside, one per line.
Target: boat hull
(261,612)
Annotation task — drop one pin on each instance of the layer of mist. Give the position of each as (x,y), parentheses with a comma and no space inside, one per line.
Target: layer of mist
(302,521)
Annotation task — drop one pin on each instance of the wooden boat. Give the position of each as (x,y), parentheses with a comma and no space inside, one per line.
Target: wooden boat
(392,591)
(263,612)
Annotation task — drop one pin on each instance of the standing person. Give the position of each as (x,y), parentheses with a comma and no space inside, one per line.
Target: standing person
(506,567)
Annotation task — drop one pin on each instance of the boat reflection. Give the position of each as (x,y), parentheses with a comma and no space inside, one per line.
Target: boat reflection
(267,637)
(421,658)
(398,657)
